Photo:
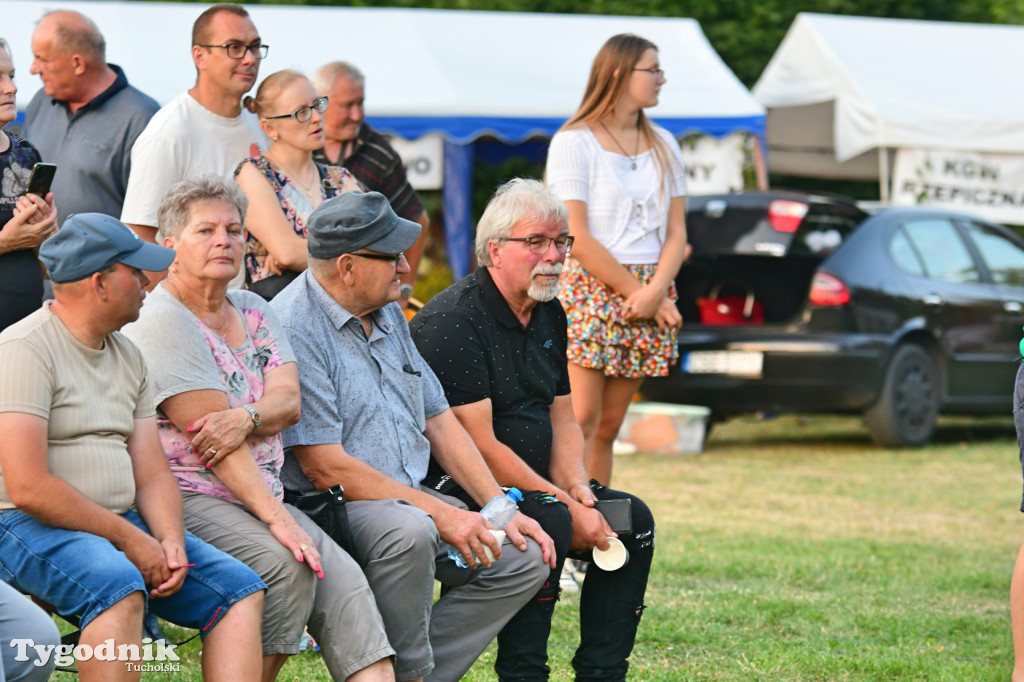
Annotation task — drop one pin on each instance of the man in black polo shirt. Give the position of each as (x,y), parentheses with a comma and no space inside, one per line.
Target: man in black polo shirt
(496,340)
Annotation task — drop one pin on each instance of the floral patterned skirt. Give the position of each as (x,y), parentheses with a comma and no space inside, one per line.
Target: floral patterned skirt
(598,336)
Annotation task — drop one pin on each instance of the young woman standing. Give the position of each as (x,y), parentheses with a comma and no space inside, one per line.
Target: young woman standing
(623,182)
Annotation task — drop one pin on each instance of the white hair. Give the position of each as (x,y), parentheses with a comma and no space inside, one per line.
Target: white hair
(517,199)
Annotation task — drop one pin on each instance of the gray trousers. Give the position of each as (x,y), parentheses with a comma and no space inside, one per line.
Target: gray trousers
(21,619)
(340,610)
(400,551)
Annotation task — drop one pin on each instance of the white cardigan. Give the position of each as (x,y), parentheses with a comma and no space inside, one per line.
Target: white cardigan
(578,168)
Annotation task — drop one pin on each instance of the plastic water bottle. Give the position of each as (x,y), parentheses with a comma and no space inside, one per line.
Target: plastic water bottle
(498,512)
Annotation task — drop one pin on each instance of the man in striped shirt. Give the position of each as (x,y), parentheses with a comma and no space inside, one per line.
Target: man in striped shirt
(351,142)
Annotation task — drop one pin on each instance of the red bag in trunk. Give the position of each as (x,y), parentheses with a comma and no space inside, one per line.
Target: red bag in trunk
(730,309)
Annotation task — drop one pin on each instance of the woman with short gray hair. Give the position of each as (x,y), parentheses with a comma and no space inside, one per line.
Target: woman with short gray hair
(226,384)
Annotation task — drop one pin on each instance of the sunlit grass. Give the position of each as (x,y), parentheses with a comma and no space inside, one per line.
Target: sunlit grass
(793,549)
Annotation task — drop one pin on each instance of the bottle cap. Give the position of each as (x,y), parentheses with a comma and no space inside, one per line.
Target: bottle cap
(515,494)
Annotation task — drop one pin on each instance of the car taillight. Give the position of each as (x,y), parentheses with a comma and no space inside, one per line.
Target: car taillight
(785,215)
(828,290)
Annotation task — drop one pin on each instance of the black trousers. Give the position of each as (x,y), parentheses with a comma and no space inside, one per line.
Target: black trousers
(611,602)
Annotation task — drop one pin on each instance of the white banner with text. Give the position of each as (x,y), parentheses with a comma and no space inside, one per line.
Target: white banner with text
(990,186)
(713,166)
(423,158)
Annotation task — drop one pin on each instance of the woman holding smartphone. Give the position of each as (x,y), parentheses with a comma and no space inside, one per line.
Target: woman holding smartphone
(25,219)
(623,182)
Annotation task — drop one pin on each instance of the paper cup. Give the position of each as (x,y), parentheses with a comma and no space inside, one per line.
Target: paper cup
(499,535)
(613,558)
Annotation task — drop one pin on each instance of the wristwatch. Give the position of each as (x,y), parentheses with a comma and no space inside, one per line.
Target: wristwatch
(405,290)
(256,421)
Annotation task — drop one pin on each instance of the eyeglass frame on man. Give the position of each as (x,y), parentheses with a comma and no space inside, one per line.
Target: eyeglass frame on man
(547,241)
(259,50)
(320,104)
(395,258)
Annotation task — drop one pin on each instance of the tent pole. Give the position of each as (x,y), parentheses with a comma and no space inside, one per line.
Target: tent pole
(883,174)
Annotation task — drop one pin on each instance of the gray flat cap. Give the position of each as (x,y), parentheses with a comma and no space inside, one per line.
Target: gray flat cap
(358,220)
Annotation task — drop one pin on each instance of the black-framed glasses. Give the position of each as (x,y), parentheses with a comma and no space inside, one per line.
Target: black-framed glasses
(395,258)
(238,50)
(540,244)
(303,114)
(653,71)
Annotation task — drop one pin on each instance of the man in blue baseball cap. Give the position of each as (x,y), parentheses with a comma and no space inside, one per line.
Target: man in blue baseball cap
(90,516)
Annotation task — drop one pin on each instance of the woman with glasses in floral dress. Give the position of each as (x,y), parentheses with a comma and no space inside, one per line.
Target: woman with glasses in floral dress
(623,182)
(284,185)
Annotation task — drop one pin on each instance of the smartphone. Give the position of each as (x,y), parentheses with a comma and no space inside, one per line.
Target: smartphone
(41,178)
(618,514)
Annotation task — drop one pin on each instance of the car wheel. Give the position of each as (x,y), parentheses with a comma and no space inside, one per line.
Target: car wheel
(905,413)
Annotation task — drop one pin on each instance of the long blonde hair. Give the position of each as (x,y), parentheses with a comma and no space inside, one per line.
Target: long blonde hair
(609,76)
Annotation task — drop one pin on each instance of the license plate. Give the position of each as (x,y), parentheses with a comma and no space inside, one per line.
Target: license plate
(735,362)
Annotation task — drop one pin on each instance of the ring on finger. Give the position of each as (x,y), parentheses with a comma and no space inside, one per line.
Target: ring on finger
(303,547)
(212,451)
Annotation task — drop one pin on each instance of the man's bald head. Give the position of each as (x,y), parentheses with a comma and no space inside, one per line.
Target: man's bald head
(74,33)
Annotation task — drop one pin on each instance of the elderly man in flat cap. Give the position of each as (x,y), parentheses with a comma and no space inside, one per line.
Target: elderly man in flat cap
(90,516)
(372,414)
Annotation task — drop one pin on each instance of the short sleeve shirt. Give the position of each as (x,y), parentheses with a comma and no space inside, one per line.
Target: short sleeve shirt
(89,398)
(370,395)
(478,349)
(185,355)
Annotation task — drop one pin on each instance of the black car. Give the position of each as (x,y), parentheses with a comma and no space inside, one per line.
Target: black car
(800,303)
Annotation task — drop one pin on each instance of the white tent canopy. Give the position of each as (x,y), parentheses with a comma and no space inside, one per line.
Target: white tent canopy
(838,88)
(460,73)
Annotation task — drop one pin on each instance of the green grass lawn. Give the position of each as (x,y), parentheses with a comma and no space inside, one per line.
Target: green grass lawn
(793,549)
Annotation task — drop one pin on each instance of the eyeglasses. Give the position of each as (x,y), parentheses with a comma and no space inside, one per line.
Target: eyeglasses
(238,50)
(653,71)
(541,244)
(394,258)
(303,114)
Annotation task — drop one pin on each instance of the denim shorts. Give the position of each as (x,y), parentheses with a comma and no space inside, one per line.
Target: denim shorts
(83,575)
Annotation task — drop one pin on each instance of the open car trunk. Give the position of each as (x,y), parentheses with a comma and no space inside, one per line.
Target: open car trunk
(755,255)
(724,290)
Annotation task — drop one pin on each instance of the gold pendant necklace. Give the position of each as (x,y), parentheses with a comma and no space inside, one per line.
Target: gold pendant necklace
(636,153)
(304,187)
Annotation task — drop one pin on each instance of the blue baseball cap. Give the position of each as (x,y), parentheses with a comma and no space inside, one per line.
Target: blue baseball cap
(91,242)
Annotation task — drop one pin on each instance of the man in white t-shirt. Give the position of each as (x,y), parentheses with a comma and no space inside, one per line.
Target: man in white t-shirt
(204,130)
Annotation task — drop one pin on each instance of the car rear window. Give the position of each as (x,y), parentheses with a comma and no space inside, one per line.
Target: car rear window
(823,229)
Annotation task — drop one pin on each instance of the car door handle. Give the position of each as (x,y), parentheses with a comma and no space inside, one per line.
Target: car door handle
(1012,307)
(932,299)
